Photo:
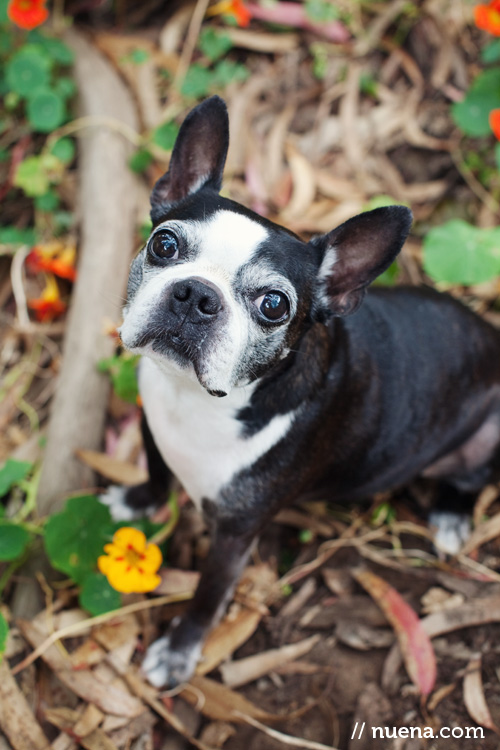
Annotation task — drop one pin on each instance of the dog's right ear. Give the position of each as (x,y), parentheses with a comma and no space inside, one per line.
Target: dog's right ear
(198,157)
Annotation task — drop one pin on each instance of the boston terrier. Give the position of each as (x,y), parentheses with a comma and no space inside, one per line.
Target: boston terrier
(263,377)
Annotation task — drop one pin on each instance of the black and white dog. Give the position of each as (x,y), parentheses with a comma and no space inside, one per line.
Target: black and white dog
(258,387)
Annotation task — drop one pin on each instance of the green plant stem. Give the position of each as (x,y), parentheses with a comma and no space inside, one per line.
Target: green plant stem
(29,505)
(477,188)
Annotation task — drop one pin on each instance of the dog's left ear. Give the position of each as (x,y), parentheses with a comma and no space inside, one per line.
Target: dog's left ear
(358,251)
(198,157)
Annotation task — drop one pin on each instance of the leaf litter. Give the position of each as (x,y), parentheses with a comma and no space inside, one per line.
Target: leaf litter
(308,152)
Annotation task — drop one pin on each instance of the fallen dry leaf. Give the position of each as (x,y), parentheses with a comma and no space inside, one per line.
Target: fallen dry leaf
(242,671)
(415,644)
(120,472)
(67,719)
(220,703)
(229,635)
(474,699)
(17,721)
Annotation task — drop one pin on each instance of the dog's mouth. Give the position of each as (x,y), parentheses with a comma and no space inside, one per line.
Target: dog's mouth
(173,345)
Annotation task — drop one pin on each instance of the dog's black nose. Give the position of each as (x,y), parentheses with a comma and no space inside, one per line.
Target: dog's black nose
(200,298)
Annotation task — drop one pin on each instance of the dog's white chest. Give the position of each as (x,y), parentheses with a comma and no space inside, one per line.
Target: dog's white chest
(198,435)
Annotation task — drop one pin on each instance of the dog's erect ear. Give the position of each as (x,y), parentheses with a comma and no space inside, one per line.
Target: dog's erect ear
(198,157)
(357,252)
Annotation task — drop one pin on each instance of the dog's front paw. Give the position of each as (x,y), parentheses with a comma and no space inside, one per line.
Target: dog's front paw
(169,667)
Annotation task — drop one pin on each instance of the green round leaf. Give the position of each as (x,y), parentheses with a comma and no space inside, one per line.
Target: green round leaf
(75,538)
(27,71)
(97,596)
(140,161)
(65,87)
(214,44)
(4,631)
(46,111)
(459,253)
(491,53)
(47,202)
(13,540)
(12,472)
(197,82)
(64,149)
(57,50)
(164,135)
(471,115)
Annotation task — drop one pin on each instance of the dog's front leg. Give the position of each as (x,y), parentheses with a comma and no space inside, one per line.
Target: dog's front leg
(172,659)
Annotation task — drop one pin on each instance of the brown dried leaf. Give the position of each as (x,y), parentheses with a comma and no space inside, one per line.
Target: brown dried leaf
(108,698)
(483,502)
(474,699)
(220,702)
(177,581)
(414,642)
(242,671)
(229,635)
(16,719)
(304,183)
(482,534)
(67,720)
(120,472)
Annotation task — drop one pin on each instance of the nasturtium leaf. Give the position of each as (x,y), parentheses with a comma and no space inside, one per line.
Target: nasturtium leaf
(65,87)
(491,53)
(35,174)
(46,110)
(472,114)
(497,155)
(459,253)
(197,82)
(47,202)
(389,277)
(75,538)
(141,160)
(13,236)
(57,50)
(4,632)
(165,134)
(64,150)
(27,71)
(227,71)
(12,472)
(13,540)
(122,371)
(213,43)
(97,596)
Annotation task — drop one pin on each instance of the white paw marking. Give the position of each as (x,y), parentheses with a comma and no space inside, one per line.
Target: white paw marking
(162,666)
(452,530)
(114,498)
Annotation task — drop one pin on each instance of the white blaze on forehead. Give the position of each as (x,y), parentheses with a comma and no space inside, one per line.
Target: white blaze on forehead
(229,240)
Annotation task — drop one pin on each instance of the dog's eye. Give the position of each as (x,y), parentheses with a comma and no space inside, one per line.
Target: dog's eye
(273,305)
(164,246)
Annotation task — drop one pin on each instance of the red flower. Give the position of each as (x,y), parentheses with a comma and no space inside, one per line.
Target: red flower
(49,305)
(54,257)
(235,8)
(495,122)
(487,17)
(27,14)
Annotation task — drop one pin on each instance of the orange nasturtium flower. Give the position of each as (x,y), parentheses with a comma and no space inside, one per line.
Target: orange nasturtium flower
(494,118)
(235,8)
(487,17)
(27,14)
(49,305)
(130,563)
(55,257)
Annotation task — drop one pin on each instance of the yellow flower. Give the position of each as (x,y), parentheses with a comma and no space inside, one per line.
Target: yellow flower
(130,563)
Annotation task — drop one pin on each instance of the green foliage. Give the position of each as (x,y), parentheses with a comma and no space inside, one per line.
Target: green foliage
(122,371)
(47,202)
(368,84)
(46,110)
(14,236)
(27,71)
(319,52)
(13,540)
(165,134)
(75,538)
(11,473)
(214,44)
(491,53)
(497,155)
(141,160)
(197,82)
(389,277)
(36,174)
(459,253)
(64,150)
(4,632)
(97,596)
(321,11)
(471,115)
